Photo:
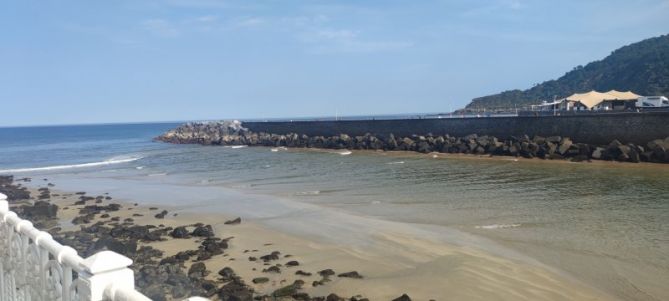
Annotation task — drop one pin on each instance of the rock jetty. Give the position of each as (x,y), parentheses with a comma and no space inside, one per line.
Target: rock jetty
(554,147)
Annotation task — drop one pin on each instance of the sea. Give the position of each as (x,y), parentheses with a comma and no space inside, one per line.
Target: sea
(606,224)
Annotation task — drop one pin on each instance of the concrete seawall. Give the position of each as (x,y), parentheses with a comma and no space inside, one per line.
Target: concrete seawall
(601,129)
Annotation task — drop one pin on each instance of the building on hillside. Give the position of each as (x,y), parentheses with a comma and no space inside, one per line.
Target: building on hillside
(598,101)
(619,101)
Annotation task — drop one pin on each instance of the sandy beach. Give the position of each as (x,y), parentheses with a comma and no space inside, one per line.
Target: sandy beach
(391,258)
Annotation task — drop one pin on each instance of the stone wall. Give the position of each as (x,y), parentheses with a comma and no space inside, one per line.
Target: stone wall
(600,129)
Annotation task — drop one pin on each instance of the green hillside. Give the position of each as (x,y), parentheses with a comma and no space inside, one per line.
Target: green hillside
(642,67)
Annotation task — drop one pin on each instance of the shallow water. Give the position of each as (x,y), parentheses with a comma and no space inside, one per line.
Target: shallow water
(602,223)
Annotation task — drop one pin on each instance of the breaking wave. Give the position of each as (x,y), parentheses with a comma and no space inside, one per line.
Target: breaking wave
(83,165)
(498,226)
(314,192)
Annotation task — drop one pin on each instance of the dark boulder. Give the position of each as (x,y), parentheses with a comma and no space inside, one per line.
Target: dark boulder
(404,297)
(180,232)
(352,274)
(203,231)
(235,221)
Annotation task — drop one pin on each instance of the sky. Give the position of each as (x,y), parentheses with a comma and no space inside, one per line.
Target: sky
(76,62)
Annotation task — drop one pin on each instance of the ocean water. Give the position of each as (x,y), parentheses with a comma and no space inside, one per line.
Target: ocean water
(602,223)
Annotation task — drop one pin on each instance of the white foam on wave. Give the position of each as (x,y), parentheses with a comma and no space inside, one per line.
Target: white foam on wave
(236,146)
(281,148)
(498,226)
(344,153)
(115,160)
(314,192)
(396,162)
(157,174)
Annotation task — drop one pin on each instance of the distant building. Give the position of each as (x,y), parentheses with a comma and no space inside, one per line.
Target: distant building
(652,102)
(593,100)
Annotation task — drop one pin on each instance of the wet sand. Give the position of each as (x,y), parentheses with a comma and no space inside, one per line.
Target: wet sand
(392,258)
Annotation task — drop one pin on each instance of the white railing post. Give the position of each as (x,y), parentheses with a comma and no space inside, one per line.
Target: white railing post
(4,208)
(33,266)
(103,275)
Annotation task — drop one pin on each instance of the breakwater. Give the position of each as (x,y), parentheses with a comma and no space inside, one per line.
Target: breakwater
(598,129)
(411,138)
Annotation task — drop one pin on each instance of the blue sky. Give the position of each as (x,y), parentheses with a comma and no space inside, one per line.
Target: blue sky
(70,62)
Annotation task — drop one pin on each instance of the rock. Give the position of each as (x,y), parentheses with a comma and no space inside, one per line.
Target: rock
(197,270)
(203,231)
(84,219)
(288,290)
(269,257)
(272,269)
(234,221)
(126,248)
(597,153)
(554,139)
(227,274)
(180,232)
(209,288)
(301,297)
(352,274)
(565,144)
(292,263)
(235,291)
(326,272)
(334,297)
(161,215)
(404,297)
(40,210)
(260,280)
(302,273)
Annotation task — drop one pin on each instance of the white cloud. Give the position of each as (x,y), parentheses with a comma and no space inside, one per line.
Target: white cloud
(160,27)
(348,41)
(248,22)
(300,21)
(207,19)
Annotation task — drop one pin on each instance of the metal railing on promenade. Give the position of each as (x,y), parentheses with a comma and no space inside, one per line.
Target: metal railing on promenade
(34,267)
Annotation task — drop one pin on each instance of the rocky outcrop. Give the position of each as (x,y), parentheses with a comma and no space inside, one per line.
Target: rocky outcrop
(215,132)
(554,147)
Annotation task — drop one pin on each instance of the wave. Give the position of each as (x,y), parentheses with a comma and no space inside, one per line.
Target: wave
(83,165)
(315,192)
(235,146)
(344,153)
(276,149)
(498,226)
(396,162)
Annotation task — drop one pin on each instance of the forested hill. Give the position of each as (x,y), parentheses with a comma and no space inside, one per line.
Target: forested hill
(642,67)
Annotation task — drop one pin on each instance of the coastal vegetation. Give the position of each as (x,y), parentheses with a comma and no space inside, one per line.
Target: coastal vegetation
(642,68)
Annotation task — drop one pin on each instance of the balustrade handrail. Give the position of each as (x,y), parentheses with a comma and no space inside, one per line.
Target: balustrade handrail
(33,266)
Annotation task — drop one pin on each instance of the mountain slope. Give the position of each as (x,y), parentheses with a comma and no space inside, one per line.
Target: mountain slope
(642,67)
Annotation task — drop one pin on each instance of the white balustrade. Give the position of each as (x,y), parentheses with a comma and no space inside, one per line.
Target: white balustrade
(34,267)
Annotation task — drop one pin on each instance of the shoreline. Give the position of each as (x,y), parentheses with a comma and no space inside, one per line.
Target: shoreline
(487,157)
(393,264)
